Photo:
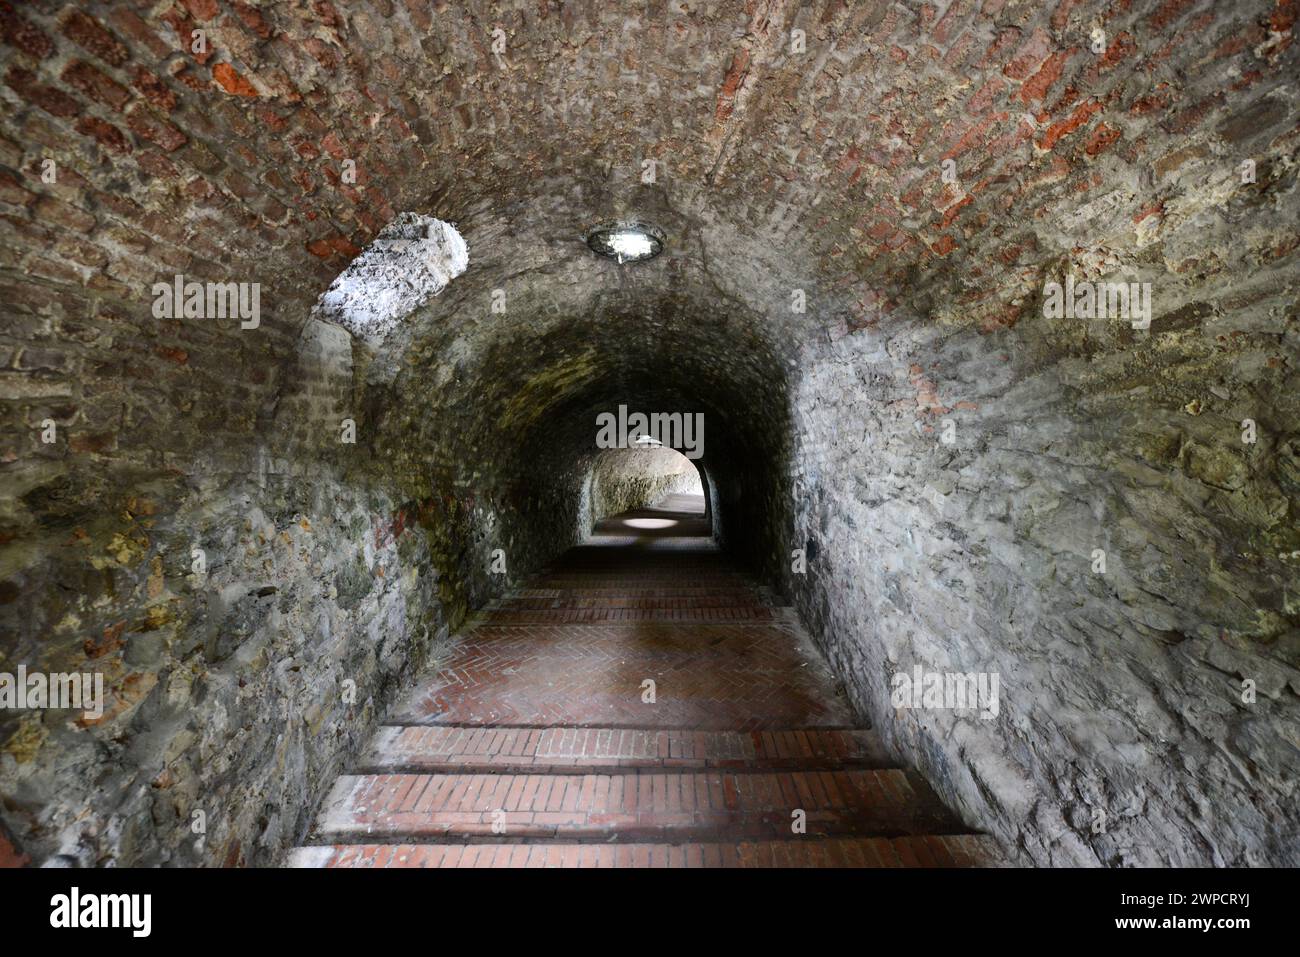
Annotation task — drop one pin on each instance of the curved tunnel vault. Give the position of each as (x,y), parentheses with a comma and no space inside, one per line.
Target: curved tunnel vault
(259,532)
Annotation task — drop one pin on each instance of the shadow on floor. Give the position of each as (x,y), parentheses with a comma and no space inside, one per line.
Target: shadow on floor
(677,521)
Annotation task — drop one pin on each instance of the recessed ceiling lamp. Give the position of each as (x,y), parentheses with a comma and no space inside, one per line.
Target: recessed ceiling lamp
(626,242)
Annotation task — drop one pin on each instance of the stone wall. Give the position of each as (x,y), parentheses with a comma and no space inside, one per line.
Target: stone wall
(251,616)
(1126,733)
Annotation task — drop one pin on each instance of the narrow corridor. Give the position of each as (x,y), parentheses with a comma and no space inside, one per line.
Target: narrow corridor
(344,346)
(542,742)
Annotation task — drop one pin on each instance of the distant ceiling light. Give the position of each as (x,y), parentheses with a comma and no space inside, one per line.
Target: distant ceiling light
(627,242)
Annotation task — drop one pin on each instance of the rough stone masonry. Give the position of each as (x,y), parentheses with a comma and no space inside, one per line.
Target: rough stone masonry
(259,535)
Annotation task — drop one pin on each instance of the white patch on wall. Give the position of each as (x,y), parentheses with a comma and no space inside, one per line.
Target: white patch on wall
(411,260)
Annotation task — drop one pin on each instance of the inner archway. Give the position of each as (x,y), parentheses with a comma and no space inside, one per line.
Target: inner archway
(644,474)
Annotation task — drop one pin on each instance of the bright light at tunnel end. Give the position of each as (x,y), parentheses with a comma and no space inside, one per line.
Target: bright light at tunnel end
(650,522)
(626,242)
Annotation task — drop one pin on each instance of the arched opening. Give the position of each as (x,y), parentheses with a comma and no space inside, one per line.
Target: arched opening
(646,477)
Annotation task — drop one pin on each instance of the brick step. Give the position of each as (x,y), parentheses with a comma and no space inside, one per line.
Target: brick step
(740,594)
(965,850)
(655,545)
(606,560)
(745,594)
(611,579)
(596,550)
(613,559)
(638,805)
(466,748)
(578,616)
(738,599)
(679,562)
(666,572)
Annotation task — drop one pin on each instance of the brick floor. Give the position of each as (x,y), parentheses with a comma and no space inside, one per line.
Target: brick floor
(464,747)
(533,747)
(720,656)
(707,675)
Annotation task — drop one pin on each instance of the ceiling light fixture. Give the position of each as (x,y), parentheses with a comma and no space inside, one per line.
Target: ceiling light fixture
(626,242)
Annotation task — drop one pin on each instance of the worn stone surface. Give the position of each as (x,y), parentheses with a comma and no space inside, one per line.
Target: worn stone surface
(235,689)
(1122,703)
(827,297)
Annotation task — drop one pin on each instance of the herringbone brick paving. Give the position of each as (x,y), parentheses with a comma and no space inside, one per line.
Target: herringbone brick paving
(707,675)
(535,744)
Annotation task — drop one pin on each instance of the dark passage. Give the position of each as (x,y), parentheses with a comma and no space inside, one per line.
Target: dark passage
(641,701)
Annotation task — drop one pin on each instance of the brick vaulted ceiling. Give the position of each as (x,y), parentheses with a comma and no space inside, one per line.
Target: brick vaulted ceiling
(814,165)
(797,146)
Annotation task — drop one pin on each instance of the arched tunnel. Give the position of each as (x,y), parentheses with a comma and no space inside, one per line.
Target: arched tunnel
(265,519)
